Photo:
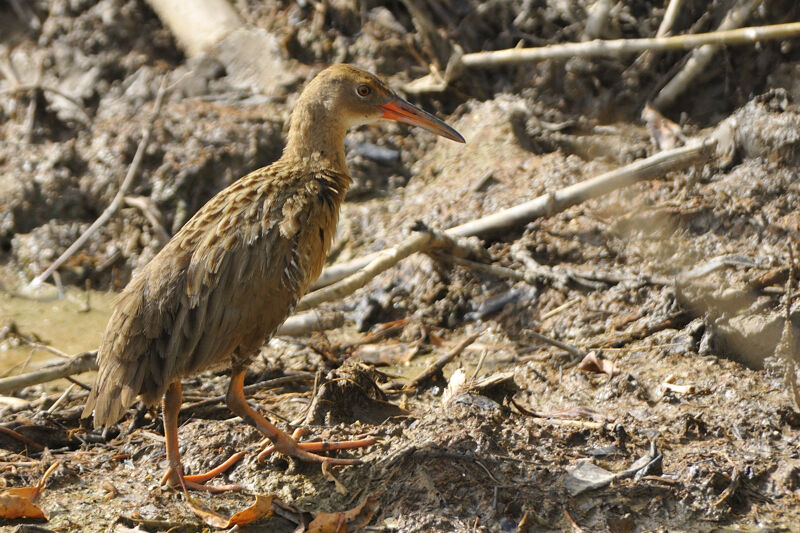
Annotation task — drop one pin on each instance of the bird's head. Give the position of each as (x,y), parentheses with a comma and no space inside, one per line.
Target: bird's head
(343,96)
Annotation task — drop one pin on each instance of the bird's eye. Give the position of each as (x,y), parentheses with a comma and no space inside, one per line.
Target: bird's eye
(363,90)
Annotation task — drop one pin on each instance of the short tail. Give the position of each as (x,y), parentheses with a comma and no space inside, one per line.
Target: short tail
(113,393)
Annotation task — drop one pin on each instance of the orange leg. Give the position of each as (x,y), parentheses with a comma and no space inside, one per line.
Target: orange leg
(171,406)
(281,441)
(319,446)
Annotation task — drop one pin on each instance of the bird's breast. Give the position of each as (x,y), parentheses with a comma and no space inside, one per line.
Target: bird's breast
(308,224)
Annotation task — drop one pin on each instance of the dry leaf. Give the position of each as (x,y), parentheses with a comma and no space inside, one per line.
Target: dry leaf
(261,508)
(21,502)
(592,363)
(351,520)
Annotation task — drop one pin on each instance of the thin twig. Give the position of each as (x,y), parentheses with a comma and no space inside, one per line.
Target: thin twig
(84,362)
(496,270)
(557,310)
(61,399)
(297,325)
(479,365)
(44,347)
(670,15)
(268,383)
(599,48)
(555,419)
(440,363)
(118,199)
(21,437)
(576,352)
(39,87)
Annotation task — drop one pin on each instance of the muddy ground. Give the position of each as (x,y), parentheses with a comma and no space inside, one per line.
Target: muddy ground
(677,284)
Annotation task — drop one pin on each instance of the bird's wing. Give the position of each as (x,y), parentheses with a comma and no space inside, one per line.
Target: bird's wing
(224,282)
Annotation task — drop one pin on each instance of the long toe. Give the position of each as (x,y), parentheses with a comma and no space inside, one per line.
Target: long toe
(175,479)
(304,450)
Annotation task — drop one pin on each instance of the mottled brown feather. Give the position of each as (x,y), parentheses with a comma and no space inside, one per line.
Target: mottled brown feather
(225,282)
(220,287)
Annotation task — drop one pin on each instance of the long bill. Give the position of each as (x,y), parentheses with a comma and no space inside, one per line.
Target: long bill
(401,111)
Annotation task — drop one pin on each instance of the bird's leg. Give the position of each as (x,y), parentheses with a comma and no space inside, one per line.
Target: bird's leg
(281,441)
(171,406)
(319,446)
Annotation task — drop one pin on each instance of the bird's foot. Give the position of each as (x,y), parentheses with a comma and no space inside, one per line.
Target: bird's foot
(174,477)
(304,450)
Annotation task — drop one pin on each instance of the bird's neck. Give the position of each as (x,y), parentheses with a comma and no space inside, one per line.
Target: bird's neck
(316,137)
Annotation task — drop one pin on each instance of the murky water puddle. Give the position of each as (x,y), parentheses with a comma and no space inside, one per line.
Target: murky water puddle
(71,324)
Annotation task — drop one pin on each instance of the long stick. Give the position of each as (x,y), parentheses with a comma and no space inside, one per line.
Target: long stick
(86,362)
(648,168)
(383,261)
(117,201)
(548,204)
(651,167)
(616,47)
(515,56)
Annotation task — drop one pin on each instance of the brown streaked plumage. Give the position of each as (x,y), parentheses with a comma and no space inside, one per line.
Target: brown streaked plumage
(224,283)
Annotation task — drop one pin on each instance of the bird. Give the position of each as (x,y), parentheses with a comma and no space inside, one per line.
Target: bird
(221,286)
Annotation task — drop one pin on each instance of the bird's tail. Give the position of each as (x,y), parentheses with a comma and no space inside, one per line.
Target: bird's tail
(113,393)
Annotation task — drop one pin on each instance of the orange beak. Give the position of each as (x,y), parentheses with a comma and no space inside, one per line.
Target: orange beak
(401,111)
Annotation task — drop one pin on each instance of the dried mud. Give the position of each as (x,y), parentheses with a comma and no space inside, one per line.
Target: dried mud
(678,281)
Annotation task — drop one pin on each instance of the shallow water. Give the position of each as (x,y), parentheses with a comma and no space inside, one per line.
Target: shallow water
(72,323)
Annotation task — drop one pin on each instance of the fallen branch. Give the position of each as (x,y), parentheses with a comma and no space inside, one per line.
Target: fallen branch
(616,47)
(118,199)
(380,262)
(81,363)
(548,204)
(423,239)
(305,323)
(86,362)
(611,48)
